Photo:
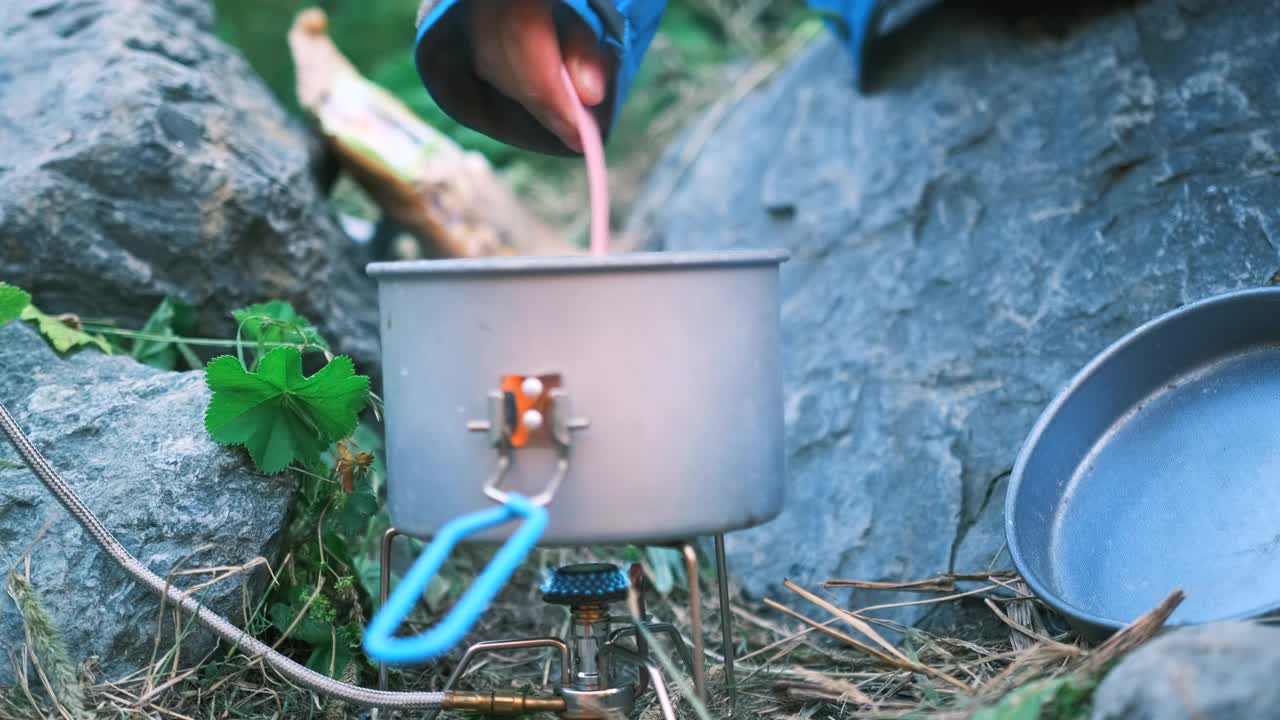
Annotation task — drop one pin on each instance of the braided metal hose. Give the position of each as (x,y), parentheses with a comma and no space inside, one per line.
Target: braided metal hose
(248,645)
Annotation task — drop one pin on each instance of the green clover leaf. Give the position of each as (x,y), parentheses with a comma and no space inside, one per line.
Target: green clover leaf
(276,413)
(13,301)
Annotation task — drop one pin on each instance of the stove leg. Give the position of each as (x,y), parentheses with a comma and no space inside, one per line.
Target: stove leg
(384,590)
(611,650)
(726,624)
(695,621)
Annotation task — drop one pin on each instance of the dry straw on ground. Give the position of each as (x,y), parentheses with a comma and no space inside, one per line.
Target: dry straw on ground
(804,656)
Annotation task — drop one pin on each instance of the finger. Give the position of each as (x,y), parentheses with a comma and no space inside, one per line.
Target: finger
(535,49)
(588,65)
(486,43)
(520,56)
(491,26)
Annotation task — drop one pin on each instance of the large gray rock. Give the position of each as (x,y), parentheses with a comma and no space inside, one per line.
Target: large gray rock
(1009,201)
(131,441)
(1225,671)
(140,157)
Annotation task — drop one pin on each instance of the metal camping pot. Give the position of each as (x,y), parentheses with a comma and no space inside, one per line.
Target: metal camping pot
(640,393)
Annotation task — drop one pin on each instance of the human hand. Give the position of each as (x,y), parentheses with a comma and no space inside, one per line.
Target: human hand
(518,51)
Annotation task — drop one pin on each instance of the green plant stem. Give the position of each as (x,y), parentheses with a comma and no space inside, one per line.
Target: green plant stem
(304,471)
(188,355)
(204,342)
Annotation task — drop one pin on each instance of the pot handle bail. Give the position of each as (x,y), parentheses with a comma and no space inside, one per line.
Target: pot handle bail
(439,640)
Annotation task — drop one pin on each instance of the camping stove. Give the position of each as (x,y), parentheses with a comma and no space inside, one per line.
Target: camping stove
(528,411)
(595,650)
(673,365)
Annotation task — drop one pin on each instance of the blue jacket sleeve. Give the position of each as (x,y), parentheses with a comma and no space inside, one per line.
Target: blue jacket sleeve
(442,53)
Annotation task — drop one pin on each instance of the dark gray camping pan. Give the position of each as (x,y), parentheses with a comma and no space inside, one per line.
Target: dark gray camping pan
(1158,468)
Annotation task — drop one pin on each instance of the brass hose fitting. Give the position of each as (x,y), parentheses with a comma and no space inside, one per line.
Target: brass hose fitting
(507,703)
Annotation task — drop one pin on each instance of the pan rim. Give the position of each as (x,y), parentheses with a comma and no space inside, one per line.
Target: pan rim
(1036,434)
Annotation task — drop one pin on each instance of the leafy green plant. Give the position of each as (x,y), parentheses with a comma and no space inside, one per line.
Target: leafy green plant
(13,301)
(310,426)
(160,344)
(1065,698)
(314,621)
(277,322)
(278,415)
(64,332)
(47,645)
(331,525)
(668,568)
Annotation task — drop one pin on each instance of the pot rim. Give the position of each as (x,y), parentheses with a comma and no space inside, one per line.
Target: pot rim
(662,260)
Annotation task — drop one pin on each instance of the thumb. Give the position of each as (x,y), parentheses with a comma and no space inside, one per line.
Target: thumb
(588,66)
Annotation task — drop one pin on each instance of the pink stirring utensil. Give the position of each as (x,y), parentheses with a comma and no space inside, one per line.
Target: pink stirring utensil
(597,173)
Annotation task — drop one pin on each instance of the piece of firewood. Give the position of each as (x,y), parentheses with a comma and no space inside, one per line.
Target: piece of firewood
(449,198)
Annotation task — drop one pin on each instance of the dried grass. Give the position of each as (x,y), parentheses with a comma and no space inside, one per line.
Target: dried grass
(835,666)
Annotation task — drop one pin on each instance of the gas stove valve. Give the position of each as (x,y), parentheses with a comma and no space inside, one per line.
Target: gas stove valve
(588,589)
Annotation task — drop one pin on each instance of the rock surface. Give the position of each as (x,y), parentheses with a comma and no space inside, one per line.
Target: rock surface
(140,157)
(130,440)
(1011,198)
(1214,671)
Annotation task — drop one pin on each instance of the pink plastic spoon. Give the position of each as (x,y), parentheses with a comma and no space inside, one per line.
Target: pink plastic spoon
(597,174)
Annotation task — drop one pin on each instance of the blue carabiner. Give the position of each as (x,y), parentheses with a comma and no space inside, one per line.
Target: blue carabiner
(439,640)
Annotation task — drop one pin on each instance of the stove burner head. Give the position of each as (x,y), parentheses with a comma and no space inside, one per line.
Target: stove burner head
(586,583)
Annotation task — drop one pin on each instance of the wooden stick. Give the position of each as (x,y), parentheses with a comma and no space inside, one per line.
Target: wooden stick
(1002,617)
(940,584)
(812,682)
(1135,633)
(889,660)
(928,601)
(849,618)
